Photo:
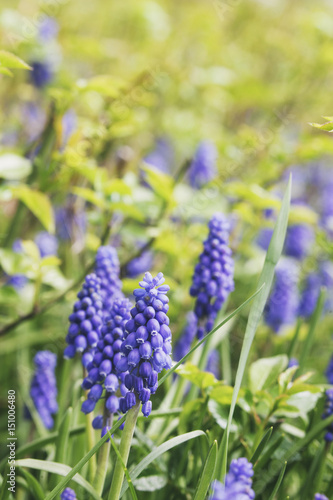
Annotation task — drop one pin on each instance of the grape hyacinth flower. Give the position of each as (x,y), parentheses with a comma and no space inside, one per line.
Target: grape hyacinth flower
(68,494)
(69,124)
(238,482)
(213,275)
(203,166)
(310,295)
(162,156)
(47,244)
(293,362)
(282,306)
(102,372)
(327,413)
(17,281)
(319,496)
(140,264)
(48,29)
(329,371)
(70,223)
(184,343)
(264,238)
(107,269)
(41,73)
(299,239)
(145,352)
(213,363)
(86,318)
(43,390)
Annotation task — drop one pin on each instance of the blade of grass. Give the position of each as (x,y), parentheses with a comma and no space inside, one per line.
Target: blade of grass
(207,473)
(278,482)
(168,445)
(266,277)
(62,441)
(261,446)
(34,486)
(312,330)
(56,468)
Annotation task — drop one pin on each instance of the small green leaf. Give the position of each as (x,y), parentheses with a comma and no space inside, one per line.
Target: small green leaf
(129,210)
(6,71)
(207,473)
(220,414)
(222,394)
(116,186)
(38,203)
(33,484)
(91,196)
(285,378)
(327,127)
(14,167)
(195,376)
(161,183)
(10,60)
(265,371)
(278,482)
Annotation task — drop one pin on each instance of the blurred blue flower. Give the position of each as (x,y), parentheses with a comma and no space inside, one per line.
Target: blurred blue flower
(319,496)
(162,155)
(238,482)
(310,294)
(140,265)
(293,362)
(213,363)
(328,411)
(203,167)
(41,73)
(184,343)
(299,240)
(69,124)
(264,238)
(282,305)
(43,390)
(47,244)
(33,120)
(48,29)
(146,350)
(212,280)
(329,371)
(107,269)
(70,222)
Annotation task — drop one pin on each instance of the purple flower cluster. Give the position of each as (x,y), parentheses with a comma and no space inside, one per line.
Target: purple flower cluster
(282,306)
(203,166)
(162,156)
(213,275)
(146,348)
(327,413)
(238,482)
(43,390)
(310,294)
(70,223)
(293,362)
(48,29)
(185,341)
(101,364)
(107,269)
(299,239)
(41,73)
(319,496)
(86,318)
(68,494)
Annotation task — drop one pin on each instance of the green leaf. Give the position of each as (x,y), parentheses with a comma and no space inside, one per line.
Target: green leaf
(14,263)
(38,203)
(91,196)
(278,482)
(14,167)
(63,436)
(116,186)
(220,414)
(168,445)
(9,60)
(195,376)
(285,378)
(161,183)
(327,126)
(266,278)
(59,469)
(265,371)
(106,85)
(33,484)
(222,394)
(127,209)
(207,473)
(150,483)
(6,71)
(261,446)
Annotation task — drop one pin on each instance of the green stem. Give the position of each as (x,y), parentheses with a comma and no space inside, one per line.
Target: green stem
(295,338)
(125,445)
(103,458)
(226,364)
(90,439)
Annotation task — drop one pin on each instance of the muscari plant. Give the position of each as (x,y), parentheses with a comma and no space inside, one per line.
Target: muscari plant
(196,435)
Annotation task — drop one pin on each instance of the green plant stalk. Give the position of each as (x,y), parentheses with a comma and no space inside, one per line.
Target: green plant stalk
(92,464)
(295,338)
(103,458)
(312,329)
(225,358)
(125,445)
(318,478)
